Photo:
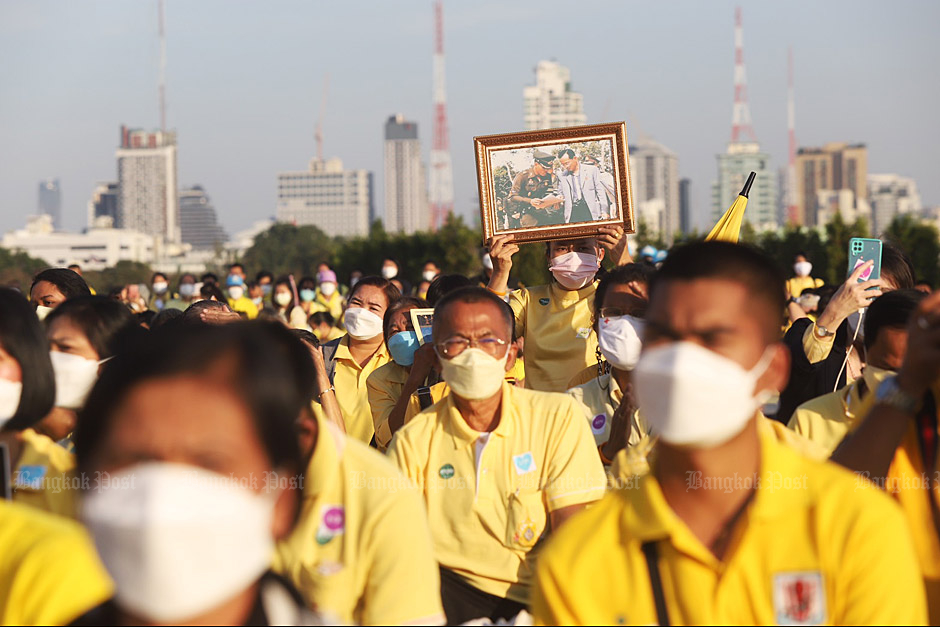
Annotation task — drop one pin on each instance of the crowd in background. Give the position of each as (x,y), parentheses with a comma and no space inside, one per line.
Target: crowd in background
(639,440)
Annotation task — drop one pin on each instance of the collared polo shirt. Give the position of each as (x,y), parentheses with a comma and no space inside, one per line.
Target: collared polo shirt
(489,495)
(559,338)
(49,571)
(361,549)
(598,399)
(809,549)
(351,391)
(44,476)
(385,386)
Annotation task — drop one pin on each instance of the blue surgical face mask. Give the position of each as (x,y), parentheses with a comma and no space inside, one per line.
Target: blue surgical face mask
(402,346)
(187,290)
(308,295)
(266,289)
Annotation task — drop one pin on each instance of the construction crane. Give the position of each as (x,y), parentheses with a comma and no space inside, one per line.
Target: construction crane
(318,132)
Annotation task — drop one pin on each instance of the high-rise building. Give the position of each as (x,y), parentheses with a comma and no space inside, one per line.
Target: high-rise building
(199,224)
(148,199)
(103,206)
(654,171)
(834,167)
(406,193)
(550,103)
(891,195)
(50,201)
(744,155)
(685,205)
(337,201)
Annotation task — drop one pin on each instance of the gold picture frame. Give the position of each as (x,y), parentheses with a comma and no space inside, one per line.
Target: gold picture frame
(560,183)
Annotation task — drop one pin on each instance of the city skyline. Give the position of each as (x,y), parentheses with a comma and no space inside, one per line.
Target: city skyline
(243,88)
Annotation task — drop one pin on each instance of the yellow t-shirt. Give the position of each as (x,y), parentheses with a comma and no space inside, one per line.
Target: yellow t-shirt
(361,549)
(44,476)
(810,549)
(828,418)
(351,391)
(559,339)
(489,496)
(332,305)
(49,570)
(796,284)
(598,399)
(244,305)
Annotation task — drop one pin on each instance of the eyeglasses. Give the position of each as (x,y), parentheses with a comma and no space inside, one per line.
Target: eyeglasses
(450,348)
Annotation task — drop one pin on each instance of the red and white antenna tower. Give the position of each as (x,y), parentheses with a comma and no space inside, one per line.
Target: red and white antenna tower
(162,85)
(792,209)
(741,116)
(441,192)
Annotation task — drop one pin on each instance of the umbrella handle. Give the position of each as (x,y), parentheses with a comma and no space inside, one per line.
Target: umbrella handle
(747,186)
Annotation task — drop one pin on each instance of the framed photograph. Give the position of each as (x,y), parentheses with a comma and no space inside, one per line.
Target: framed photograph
(422,319)
(560,183)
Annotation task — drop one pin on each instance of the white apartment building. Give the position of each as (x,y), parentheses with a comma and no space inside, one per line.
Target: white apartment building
(550,103)
(406,191)
(891,195)
(734,166)
(147,190)
(654,172)
(337,201)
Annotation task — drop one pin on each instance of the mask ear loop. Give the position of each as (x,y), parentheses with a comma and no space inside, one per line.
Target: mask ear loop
(861,318)
(602,368)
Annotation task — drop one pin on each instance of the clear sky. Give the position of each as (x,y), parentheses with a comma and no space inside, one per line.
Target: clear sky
(245,81)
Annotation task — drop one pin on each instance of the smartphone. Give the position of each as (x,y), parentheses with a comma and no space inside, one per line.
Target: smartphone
(862,250)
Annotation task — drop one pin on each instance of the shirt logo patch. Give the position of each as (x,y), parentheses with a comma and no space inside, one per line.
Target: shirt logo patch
(597,425)
(584,332)
(543,301)
(799,598)
(524,463)
(525,533)
(30,477)
(332,523)
(446,471)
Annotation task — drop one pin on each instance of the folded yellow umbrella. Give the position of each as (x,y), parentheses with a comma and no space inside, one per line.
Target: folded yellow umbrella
(728,228)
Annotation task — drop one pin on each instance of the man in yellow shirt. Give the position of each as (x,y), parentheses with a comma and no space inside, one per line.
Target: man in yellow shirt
(237,299)
(499,466)
(555,319)
(49,571)
(730,527)
(897,446)
(361,550)
(827,419)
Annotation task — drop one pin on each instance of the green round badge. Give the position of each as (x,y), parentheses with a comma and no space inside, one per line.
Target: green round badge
(446,471)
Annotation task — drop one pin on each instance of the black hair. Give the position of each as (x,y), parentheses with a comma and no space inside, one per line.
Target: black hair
(186,274)
(306,279)
(897,266)
(166,318)
(236,265)
(68,282)
(392,293)
(621,275)
(263,274)
(101,320)
(23,338)
(71,266)
(155,275)
(471,295)
(410,302)
(566,152)
(320,317)
(209,290)
(801,253)
(306,337)
(267,368)
(193,313)
(444,284)
(431,261)
(891,309)
(144,318)
(209,277)
(924,283)
(740,263)
(250,285)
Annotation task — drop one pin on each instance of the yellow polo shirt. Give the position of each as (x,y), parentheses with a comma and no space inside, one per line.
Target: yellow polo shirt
(44,477)
(489,495)
(828,418)
(332,305)
(810,549)
(351,391)
(244,305)
(598,399)
(796,284)
(559,339)
(361,549)
(49,569)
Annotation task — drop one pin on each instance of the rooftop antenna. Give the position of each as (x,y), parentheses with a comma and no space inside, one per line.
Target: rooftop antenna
(162,87)
(741,116)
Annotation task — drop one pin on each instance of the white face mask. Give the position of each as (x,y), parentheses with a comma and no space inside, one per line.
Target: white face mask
(362,324)
(74,378)
(694,397)
(574,270)
(428,275)
(159,288)
(802,268)
(178,540)
(10,393)
(235,292)
(42,311)
(283,299)
(389,272)
(327,289)
(620,340)
(474,374)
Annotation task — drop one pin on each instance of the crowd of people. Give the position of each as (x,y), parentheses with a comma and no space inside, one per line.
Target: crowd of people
(687,439)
